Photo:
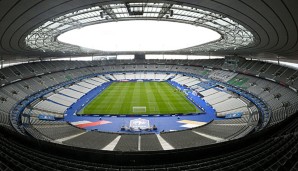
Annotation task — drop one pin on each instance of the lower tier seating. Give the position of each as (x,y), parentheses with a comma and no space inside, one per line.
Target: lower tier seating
(184,139)
(57,131)
(92,140)
(275,148)
(221,130)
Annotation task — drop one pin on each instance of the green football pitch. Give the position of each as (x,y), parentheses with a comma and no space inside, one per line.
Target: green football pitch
(140,98)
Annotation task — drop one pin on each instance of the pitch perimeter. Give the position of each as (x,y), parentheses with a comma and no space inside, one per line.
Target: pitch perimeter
(120,98)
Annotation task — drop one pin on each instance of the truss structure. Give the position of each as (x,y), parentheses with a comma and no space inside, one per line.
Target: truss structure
(233,35)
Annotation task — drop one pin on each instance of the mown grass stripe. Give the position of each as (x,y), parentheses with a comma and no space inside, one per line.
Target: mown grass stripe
(158,97)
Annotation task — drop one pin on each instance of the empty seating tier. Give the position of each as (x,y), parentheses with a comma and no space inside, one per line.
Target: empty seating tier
(82,77)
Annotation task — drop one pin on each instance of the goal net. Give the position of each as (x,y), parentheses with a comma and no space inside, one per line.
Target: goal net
(139,109)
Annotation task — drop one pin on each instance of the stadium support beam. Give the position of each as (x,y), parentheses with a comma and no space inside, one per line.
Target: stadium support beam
(134,9)
(108,11)
(69,21)
(1,62)
(164,10)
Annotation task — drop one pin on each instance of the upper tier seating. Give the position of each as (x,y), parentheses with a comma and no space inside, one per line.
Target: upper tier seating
(140,75)
(221,75)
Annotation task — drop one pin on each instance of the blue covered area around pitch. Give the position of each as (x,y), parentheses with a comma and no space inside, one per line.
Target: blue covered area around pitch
(162,122)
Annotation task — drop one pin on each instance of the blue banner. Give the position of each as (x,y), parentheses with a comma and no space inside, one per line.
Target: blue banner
(46,117)
(233,115)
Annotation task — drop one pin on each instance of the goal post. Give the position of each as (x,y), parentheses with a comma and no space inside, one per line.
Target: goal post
(139,109)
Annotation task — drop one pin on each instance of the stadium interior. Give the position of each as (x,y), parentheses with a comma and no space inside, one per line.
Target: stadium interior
(149,85)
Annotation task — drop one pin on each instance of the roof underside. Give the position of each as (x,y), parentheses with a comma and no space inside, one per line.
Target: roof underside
(272,23)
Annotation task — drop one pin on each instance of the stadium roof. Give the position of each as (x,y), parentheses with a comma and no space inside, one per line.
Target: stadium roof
(266,29)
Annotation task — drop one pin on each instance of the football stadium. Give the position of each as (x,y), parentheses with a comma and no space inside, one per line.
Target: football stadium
(149,85)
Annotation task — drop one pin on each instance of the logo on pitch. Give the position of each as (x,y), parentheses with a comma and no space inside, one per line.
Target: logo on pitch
(139,124)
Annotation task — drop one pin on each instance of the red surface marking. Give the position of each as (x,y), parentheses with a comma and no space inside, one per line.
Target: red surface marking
(102,122)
